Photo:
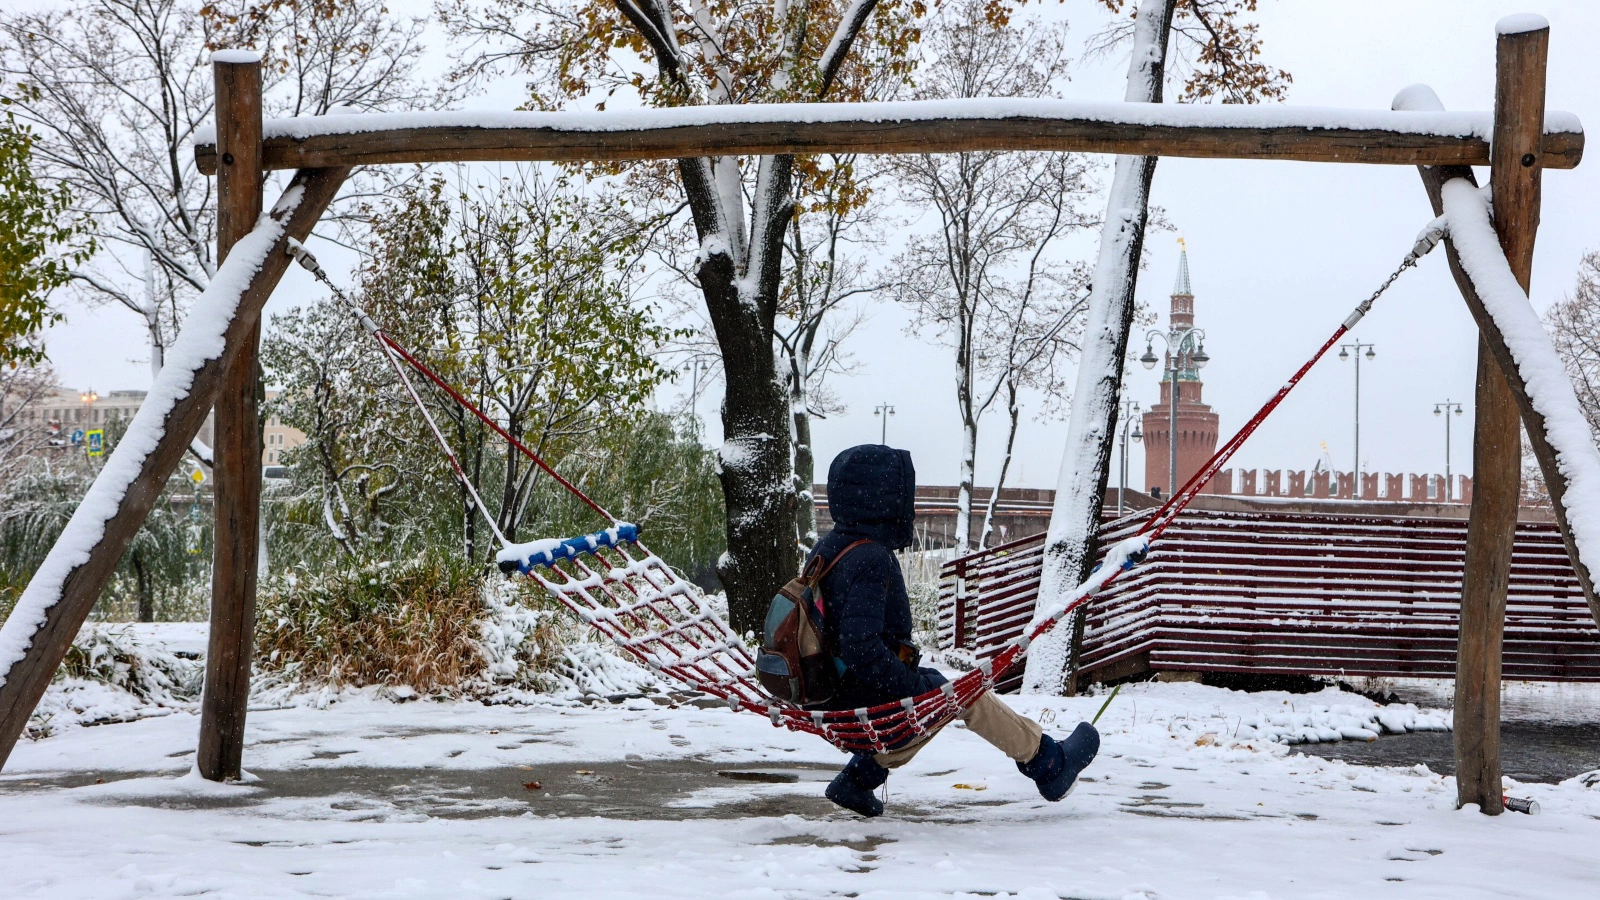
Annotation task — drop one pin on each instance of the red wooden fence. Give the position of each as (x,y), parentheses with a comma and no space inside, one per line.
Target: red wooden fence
(1286,593)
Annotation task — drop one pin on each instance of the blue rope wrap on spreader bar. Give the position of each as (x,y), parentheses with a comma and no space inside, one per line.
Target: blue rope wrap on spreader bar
(525,557)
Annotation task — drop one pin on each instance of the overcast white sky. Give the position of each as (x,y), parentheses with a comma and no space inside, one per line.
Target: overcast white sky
(1279,253)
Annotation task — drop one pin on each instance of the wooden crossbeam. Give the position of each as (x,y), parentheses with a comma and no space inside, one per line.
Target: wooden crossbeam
(1213,132)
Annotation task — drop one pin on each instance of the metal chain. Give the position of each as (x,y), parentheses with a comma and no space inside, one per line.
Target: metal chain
(1407,263)
(1365,306)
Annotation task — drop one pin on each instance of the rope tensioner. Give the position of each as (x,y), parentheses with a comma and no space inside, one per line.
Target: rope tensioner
(610,580)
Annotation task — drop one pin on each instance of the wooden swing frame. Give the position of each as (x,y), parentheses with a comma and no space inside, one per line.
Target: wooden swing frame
(1522,146)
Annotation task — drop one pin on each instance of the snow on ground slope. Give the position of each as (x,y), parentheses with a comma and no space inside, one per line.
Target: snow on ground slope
(368,798)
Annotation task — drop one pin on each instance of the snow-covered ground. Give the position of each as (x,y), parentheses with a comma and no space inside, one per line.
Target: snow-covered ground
(372,798)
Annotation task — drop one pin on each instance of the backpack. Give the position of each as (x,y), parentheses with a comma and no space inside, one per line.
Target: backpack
(795,664)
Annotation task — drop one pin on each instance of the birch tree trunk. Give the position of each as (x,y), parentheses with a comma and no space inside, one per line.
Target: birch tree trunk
(1085,461)
(805,477)
(1013,412)
(969,454)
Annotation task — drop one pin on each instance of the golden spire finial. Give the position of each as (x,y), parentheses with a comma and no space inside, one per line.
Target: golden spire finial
(1182,245)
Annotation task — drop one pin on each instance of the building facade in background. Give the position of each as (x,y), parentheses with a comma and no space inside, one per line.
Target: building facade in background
(67,415)
(278,438)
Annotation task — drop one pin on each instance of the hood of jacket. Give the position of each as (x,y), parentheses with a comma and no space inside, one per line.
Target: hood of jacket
(872,491)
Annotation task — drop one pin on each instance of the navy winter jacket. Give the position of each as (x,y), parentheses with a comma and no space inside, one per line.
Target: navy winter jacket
(871,494)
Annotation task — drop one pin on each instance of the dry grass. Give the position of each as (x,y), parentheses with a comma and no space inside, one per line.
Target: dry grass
(412,623)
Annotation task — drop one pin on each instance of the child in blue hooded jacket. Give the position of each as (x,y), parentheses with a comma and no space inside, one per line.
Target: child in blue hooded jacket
(867,618)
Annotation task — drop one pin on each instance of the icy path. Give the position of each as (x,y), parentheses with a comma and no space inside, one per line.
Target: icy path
(372,799)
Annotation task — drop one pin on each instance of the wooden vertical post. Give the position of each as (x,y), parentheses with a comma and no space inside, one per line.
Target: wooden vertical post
(1520,54)
(238,437)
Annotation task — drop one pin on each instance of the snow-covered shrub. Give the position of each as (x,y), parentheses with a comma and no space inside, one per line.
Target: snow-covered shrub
(522,635)
(114,674)
(921,572)
(116,656)
(433,626)
(531,643)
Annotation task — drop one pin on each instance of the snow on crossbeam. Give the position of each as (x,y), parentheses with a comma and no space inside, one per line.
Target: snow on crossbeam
(920,126)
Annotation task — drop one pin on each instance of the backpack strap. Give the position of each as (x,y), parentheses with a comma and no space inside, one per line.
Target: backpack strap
(815,581)
(828,567)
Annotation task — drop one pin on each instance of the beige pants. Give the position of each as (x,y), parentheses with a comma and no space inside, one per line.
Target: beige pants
(988,717)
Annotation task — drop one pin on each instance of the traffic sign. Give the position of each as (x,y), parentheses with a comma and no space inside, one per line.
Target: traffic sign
(77,437)
(97,442)
(198,477)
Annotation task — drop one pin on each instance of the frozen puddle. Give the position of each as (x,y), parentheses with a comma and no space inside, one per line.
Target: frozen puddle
(1548,753)
(658,789)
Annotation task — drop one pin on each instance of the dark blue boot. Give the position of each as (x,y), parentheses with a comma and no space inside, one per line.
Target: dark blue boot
(1056,766)
(852,788)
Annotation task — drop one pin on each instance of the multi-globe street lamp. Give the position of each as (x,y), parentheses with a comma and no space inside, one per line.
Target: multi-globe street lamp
(1183,344)
(884,411)
(1444,409)
(1130,411)
(1344,354)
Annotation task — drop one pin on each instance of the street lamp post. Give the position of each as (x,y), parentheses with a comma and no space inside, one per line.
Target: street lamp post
(1130,409)
(1344,354)
(695,367)
(884,411)
(1444,409)
(88,397)
(1182,344)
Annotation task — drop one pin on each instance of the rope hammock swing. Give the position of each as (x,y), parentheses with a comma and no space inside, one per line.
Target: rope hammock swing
(613,582)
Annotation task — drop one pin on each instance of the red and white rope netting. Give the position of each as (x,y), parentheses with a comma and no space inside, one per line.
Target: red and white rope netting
(628,594)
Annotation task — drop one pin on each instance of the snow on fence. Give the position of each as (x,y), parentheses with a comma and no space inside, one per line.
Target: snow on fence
(1282,593)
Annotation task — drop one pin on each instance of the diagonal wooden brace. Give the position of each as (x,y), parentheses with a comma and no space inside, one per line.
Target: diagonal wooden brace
(1556,479)
(1434,179)
(35,638)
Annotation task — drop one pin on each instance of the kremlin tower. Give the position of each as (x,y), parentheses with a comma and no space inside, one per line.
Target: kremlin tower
(1197,423)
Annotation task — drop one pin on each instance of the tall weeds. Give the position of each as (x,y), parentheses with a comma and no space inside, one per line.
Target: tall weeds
(411,623)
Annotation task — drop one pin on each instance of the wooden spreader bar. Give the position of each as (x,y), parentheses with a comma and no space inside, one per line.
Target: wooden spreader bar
(1211,132)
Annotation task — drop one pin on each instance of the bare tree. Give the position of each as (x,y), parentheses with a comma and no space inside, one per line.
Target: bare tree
(119,88)
(1035,347)
(985,281)
(1574,325)
(715,52)
(819,307)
